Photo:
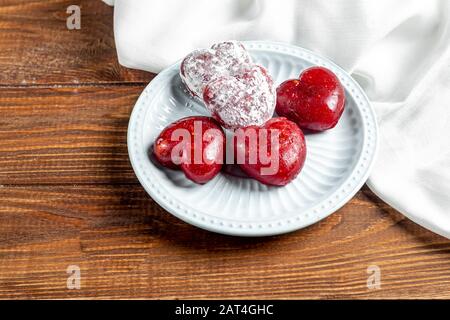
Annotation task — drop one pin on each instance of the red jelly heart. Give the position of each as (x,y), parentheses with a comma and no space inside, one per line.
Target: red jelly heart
(204,65)
(315,101)
(195,145)
(273,154)
(243,99)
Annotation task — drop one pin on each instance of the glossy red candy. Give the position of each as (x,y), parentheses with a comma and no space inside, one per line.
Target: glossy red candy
(315,101)
(195,145)
(276,156)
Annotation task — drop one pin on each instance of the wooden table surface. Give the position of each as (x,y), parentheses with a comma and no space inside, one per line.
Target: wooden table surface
(68,195)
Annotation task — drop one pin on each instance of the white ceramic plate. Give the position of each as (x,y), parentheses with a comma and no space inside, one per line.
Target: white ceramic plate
(337,164)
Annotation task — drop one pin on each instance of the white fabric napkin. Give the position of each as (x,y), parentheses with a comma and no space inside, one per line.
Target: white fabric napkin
(397,50)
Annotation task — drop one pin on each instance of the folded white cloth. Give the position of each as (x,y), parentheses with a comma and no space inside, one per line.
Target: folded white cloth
(397,50)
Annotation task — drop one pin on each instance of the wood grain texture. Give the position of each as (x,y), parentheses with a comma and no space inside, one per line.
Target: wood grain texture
(37,48)
(128,247)
(68,195)
(65,135)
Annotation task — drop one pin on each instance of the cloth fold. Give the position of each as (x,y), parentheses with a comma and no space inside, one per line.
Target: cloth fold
(397,50)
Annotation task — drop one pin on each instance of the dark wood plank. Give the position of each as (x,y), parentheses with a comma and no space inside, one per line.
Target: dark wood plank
(65,135)
(37,48)
(127,246)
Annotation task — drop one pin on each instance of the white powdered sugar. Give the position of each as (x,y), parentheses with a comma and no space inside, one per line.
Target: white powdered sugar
(202,66)
(236,91)
(247,98)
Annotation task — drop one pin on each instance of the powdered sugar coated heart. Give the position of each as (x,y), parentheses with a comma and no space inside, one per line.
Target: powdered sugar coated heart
(245,98)
(202,66)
